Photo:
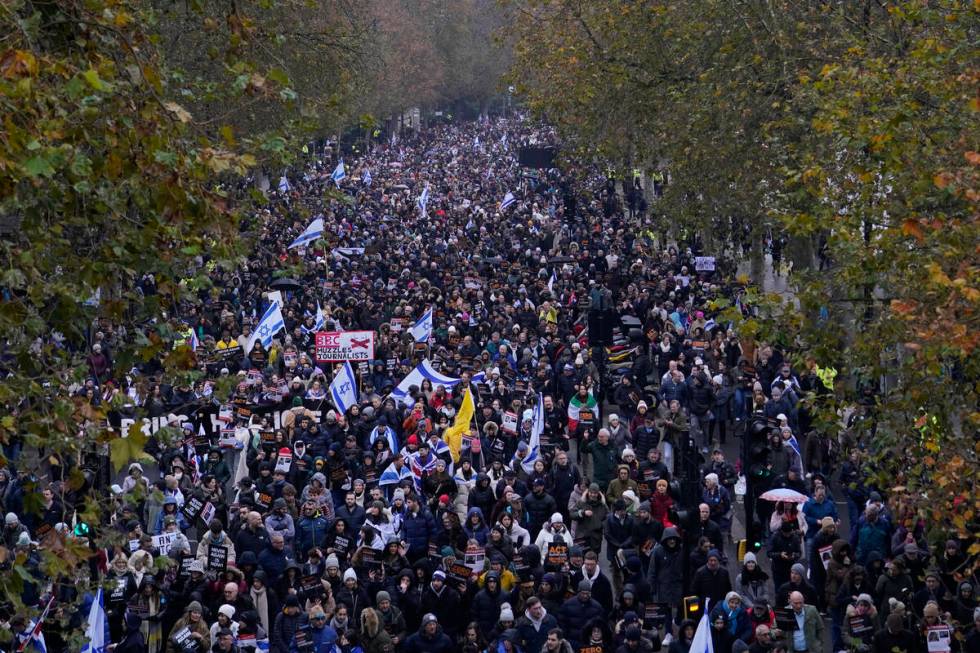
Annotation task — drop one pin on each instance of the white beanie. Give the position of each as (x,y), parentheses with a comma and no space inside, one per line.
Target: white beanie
(557,518)
(506,612)
(350,574)
(227,610)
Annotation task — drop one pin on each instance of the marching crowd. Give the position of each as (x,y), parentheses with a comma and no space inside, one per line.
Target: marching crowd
(526,493)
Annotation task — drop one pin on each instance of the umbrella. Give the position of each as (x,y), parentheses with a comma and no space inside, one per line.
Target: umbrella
(286,284)
(784,494)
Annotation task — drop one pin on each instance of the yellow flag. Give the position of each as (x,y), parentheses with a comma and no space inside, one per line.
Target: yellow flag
(453,436)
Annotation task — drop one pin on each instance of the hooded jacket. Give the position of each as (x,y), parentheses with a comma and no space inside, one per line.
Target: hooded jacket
(422,642)
(666,571)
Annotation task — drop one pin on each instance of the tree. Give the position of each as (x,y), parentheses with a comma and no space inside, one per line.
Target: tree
(121,184)
(846,126)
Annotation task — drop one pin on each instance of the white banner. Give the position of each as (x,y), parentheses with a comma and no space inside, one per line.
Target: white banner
(704,263)
(336,346)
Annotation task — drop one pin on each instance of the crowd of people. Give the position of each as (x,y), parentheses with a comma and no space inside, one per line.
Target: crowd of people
(566,517)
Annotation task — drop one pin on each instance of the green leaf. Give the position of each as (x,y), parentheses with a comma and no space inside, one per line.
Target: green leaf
(124,450)
(91,77)
(38,166)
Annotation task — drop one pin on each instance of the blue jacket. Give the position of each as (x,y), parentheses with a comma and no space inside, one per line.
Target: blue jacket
(310,532)
(324,640)
(418,530)
(814,512)
(273,562)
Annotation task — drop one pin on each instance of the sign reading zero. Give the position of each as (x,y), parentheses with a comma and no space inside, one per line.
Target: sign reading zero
(334,346)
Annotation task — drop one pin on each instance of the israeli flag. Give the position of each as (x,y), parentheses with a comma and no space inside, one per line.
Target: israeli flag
(271,323)
(423,201)
(386,432)
(503,141)
(422,330)
(701,643)
(393,476)
(283,184)
(319,322)
(339,173)
(551,283)
(508,200)
(314,231)
(194,342)
(343,388)
(97,631)
(422,371)
(367,178)
(537,428)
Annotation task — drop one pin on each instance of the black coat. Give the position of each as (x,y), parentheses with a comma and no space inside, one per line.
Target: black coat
(713,585)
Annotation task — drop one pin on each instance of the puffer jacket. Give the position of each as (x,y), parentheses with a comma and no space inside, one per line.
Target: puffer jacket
(418,530)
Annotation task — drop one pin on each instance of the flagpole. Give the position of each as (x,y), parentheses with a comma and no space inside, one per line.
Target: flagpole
(37,626)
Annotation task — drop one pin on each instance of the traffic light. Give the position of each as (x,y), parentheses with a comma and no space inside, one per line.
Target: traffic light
(692,608)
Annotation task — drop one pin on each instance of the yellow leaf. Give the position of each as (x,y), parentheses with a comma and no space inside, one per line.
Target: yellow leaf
(182,114)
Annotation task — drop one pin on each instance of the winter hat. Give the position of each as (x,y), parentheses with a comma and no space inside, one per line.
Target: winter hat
(750,557)
(827,521)
(398,494)
(614,417)
(642,405)
(332,561)
(440,574)
(350,574)
(11,519)
(428,619)
(506,612)
(895,623)
(382,596)
(865,598)
(585,585)
(227,610)
(194,606)
(595,487)
(292,601)
(799,569)
(557,518)
(713,553)
(931,609)
(628,452)
(633,634)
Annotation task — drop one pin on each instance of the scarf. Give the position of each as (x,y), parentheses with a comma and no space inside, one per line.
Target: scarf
(261,600)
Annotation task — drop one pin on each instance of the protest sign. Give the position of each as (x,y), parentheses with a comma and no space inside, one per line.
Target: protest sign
(338,346)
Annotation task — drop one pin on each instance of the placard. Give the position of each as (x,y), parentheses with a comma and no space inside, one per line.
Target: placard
(509,422)
(310,586)
(586,417)
(937,639)
(785,619)
(118,593)
(163,542)
(134,545)
(263,500)
(369,559)
(655,615)
(185,641)
(825,555)
(557,556)
(338,346)
(217,557)
(458,572)
(208,512)
(341,544)
(283,462)
(268,439)
(475,558)
(860,628)
(303,639)
(704,263)
(192,508)
(185,566)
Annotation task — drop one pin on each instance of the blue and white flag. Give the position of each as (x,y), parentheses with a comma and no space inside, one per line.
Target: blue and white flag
(476,141)
(283,184)
(318,323)
(423,201)
(551,282)
(422,329)
(271,323)
(503,141)
(314,231)
(194,342)
(386,432)
(366,177)
(701,643)
(339,173)
(508,200)
(537,428)
(393,476)
(32,635)
(97,630)
(421,372)
(343,388)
